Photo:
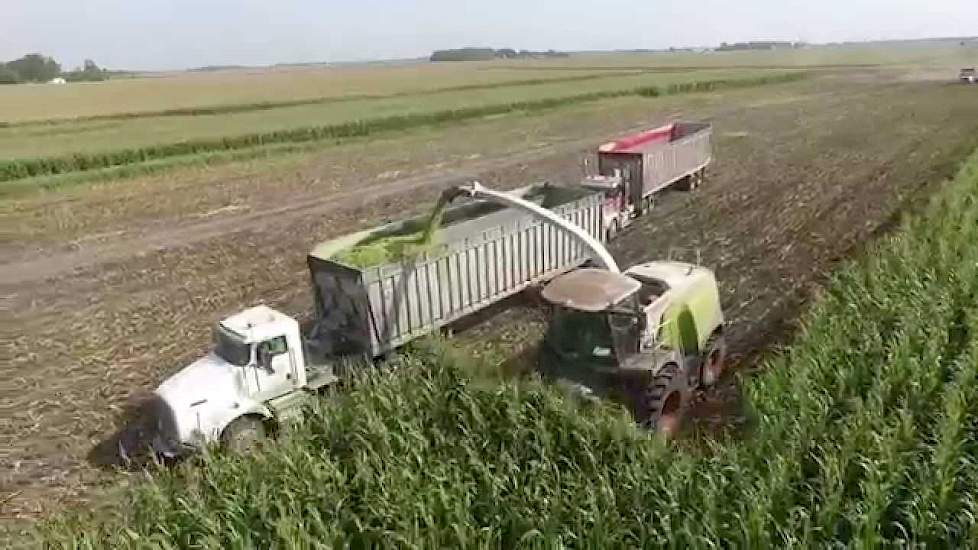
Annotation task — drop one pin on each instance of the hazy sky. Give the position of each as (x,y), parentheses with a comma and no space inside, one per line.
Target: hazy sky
(169,34)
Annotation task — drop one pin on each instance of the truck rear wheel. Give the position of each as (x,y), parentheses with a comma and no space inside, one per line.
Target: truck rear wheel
(714,361)
(664,402)
(244,434)
(689,183)
(648,203)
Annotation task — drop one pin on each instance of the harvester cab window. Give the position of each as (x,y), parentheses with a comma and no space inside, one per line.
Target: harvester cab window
(650,291)
(581,333)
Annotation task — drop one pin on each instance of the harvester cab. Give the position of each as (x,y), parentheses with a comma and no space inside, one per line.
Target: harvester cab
(646,337)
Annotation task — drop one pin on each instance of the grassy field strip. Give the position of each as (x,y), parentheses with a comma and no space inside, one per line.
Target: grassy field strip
(111,135)
(827,57)
(12,188)
(672,68)
(191,90)
(430,114)
(266,105)
(212,89)
(864,433)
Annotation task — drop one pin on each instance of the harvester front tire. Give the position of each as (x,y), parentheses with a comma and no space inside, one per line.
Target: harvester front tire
(664,402)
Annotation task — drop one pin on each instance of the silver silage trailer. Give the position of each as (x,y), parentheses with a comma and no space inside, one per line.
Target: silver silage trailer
(485,252)
(655,159)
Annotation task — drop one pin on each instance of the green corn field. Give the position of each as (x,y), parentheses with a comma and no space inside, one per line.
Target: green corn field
(17,169)
(862,434)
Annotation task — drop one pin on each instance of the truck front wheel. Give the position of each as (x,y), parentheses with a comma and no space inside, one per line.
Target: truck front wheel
(664,402)
(243,434)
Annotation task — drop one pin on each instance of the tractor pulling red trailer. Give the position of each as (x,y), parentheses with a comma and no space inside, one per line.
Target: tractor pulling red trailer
(632,169)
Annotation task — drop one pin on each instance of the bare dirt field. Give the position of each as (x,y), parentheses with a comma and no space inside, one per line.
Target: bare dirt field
(109,288)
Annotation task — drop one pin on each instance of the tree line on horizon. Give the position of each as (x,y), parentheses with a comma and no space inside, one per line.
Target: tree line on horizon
(37,67)
(483,54)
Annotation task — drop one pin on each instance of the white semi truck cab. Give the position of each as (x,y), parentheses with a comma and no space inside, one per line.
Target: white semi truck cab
(260,371)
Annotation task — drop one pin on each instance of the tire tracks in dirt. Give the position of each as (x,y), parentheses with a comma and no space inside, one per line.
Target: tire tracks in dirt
(92,250)
(133,242)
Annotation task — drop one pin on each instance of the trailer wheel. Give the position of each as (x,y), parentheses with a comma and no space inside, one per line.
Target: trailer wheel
(614,229)
(244,434)
(648,203)
(714,361)
(664,402)
(688,183)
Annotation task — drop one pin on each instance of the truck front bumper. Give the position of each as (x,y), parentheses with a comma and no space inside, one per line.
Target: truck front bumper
(158,448)
(170,450)
(152,433)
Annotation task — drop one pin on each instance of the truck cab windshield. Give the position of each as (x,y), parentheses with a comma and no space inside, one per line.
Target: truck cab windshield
(230,348)
(581,334)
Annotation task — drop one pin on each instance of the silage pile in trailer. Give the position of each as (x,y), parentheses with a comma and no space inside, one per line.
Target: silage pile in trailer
(864,434)
(414,240)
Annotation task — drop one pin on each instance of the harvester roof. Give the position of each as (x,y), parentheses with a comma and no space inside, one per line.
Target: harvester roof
(590,289)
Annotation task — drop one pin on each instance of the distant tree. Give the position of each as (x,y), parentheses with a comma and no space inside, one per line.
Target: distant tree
(35,68)
(7,75)
(90,73)
(506,53)
(464,54)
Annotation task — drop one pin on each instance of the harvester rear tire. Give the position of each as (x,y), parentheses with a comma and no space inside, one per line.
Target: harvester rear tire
(664,402)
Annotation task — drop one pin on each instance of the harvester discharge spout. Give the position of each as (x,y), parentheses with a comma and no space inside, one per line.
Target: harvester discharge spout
(476,190)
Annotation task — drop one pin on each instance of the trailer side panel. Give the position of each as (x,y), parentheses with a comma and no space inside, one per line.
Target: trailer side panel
(374,310)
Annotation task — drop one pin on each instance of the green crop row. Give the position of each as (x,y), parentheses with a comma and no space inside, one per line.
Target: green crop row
(267,105)
(25,168)
(864,433)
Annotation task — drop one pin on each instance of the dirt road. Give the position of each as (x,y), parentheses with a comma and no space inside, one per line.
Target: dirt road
(804,174)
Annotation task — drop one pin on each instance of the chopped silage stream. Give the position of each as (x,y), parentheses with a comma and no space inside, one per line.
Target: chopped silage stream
(411,240)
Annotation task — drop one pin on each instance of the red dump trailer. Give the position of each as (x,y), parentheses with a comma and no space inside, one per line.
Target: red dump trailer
(632,169)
